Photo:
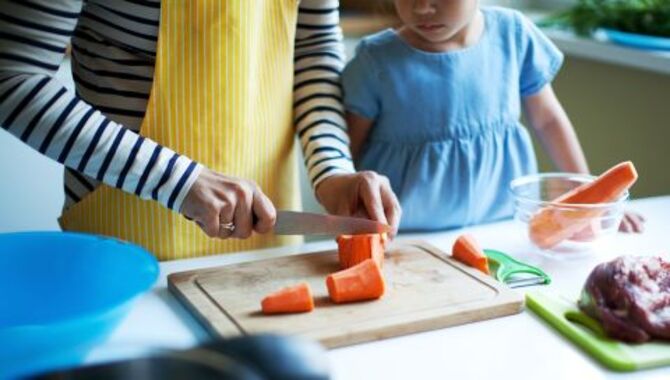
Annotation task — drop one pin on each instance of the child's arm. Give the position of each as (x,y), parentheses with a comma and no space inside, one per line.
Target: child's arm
(358,128)
(554,130)
(556,134)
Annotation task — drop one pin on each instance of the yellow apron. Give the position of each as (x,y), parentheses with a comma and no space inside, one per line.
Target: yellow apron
(222,95)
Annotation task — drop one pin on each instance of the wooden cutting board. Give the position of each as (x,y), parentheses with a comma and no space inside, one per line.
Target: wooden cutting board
(426,290)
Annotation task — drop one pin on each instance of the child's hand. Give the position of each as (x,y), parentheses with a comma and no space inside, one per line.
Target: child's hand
(364,194)
(632,222)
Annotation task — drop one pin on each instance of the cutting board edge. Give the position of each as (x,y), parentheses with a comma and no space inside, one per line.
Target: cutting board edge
(423,325)
(181,283)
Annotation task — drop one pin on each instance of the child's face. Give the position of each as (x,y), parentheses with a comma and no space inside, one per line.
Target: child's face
(436,21)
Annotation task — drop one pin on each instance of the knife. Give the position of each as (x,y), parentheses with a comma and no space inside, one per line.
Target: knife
(307,223)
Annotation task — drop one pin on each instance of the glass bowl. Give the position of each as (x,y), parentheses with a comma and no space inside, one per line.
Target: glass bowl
(562,230)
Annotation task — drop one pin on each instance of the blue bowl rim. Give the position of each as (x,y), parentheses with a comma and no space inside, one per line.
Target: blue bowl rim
(530,178)
(96,313)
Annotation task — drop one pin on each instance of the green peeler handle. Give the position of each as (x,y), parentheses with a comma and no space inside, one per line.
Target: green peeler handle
(508,266)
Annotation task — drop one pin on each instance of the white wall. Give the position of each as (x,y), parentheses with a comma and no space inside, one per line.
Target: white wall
(32,187)
(31,191)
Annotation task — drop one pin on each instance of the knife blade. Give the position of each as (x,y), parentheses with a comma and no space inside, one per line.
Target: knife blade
(307,223)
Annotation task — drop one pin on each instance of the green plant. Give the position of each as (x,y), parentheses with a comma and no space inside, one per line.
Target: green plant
(650,17)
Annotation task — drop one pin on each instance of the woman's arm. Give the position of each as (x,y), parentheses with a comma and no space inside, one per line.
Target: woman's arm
(320,121)
(40,111)
(555,131)
(37,109)
(317,96)
(359,128)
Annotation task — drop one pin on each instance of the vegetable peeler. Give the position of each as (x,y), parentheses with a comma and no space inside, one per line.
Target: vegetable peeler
(504,268)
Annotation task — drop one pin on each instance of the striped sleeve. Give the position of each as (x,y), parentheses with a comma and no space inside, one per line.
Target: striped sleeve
(317,92)
(41,112)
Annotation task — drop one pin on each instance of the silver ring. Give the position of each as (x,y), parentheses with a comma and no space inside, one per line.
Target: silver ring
(227,226)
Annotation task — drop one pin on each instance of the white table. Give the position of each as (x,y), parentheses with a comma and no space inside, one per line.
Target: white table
(519,346)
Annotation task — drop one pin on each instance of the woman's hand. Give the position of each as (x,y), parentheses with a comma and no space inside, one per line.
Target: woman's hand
(632,222)
(365,194)
(216,199)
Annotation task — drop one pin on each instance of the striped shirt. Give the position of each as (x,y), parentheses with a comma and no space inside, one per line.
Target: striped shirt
(94,131)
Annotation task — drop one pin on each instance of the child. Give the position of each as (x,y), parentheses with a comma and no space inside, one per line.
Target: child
(435,106)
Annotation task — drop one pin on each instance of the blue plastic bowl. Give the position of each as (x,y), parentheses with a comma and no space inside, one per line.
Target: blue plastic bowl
(63,293)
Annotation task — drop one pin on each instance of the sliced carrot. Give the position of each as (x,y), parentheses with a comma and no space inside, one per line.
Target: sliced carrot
(363,281)
(467,251)
(608,187)
(354,249)
(552,225)
(292,299)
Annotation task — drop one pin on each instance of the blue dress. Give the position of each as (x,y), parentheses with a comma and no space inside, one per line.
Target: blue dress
(446,128)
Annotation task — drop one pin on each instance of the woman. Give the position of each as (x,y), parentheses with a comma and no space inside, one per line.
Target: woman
(188,107)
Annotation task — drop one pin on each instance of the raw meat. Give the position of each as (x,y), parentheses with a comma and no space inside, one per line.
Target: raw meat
(630,296)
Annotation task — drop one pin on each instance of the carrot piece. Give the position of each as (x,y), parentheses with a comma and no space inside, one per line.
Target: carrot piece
(363,281)
(608,187)
(467,250)
(354,249)
(550,226)
(292,299)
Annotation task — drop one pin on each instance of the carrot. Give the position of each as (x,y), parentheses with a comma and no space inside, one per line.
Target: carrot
(608,187)
(354,249)
(467,251)
(550,225)
(363,281)
(292,299)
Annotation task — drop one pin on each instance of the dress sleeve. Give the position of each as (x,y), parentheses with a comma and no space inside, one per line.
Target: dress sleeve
(358,81)
(540,59)
(37,109)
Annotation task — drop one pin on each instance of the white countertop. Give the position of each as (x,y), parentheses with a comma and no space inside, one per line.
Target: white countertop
(519,346)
